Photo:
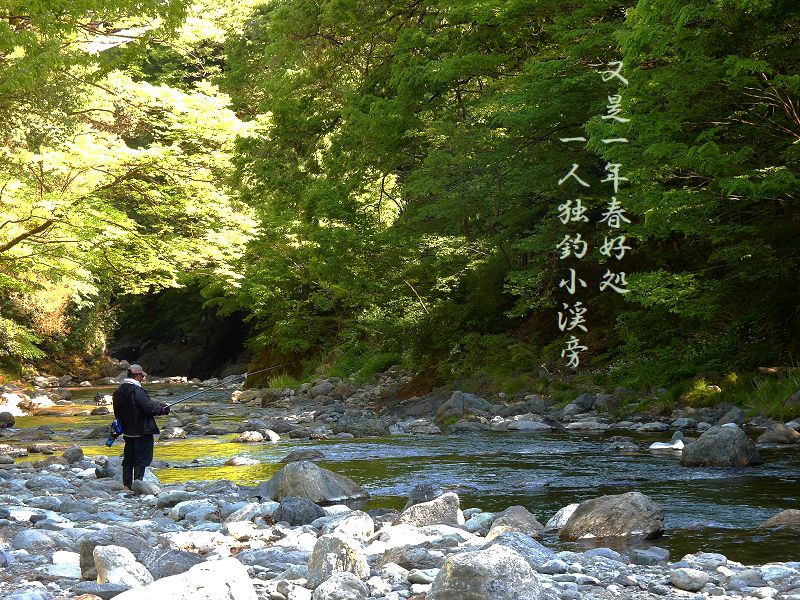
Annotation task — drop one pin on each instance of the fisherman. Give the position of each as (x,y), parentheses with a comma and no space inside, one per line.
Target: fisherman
(134,409)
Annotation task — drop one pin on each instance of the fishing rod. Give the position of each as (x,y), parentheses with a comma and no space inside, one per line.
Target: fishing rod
(221,385)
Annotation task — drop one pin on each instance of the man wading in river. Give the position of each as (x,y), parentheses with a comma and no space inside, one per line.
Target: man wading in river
(134,409)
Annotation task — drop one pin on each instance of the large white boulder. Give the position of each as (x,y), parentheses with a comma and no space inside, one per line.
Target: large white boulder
(225,579)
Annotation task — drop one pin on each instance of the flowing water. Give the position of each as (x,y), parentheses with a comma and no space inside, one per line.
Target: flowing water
(706,509)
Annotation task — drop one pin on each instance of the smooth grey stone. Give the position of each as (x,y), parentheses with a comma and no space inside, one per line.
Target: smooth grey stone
(632,514)
(307,480)
(74,506)
(298,511)
(496,573)
(605,553)
(532,551)
(106,591)
(170,498)
(29,595)
(443,510)
(690,580)
(275,558)
(163,562)
(73,455)
(725,446)
(659,590)
(134,539)
(145,488)
(116,564)
(37,541)
(648,556)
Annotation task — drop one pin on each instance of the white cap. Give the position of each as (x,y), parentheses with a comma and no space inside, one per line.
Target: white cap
(136,369)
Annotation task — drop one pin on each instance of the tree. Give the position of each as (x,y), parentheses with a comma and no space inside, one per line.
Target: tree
(714,162)
(419,137)
(118,188)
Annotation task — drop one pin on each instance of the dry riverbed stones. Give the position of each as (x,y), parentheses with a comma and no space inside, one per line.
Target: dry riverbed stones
(214,541)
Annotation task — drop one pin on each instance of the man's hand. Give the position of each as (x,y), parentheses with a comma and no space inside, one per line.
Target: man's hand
(164,409)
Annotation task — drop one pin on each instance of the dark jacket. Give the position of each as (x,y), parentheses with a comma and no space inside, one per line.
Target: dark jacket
(134,409)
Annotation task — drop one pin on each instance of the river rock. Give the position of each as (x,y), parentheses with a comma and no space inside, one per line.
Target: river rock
(225,579)
(74,454)
(336,553)
(648,556)
(247,511)
(690,580)
(341,586)
(323,388)
(684,423)
(194,511)
(48,482)
(460,403)
(734,415)
(360,426)
(516,518)
(6,420)
(165,562)
(721,446)
(653,427)
(36,541)
(91,590)
(307,480)
(779,434)
(298,511)
(412,557)
(532,551)
(789,517)
(585,402)
(423,492)
(356,524)
(443,510)
(249,437)
(145,488)
(558,520)
(414,427)
(707,561)
(297,455)
(526,425)
(116,564)
(624,515)
(606,402)
(133,538)
(170,498)
(531,404)
(570,410)
(108,471)
(496,573)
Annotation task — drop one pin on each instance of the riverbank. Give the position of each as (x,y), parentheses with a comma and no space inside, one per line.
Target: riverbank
(91,537)
(333,413)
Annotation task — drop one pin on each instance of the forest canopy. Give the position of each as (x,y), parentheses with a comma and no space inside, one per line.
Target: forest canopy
(458,187)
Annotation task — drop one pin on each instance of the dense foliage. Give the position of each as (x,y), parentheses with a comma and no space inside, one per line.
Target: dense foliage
(111,184)
(401,160)
(406,180)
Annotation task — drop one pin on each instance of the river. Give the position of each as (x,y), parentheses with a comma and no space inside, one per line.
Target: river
(706,509)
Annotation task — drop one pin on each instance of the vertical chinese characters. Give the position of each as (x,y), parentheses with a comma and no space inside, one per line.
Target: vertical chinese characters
(614,216)
(572,213)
